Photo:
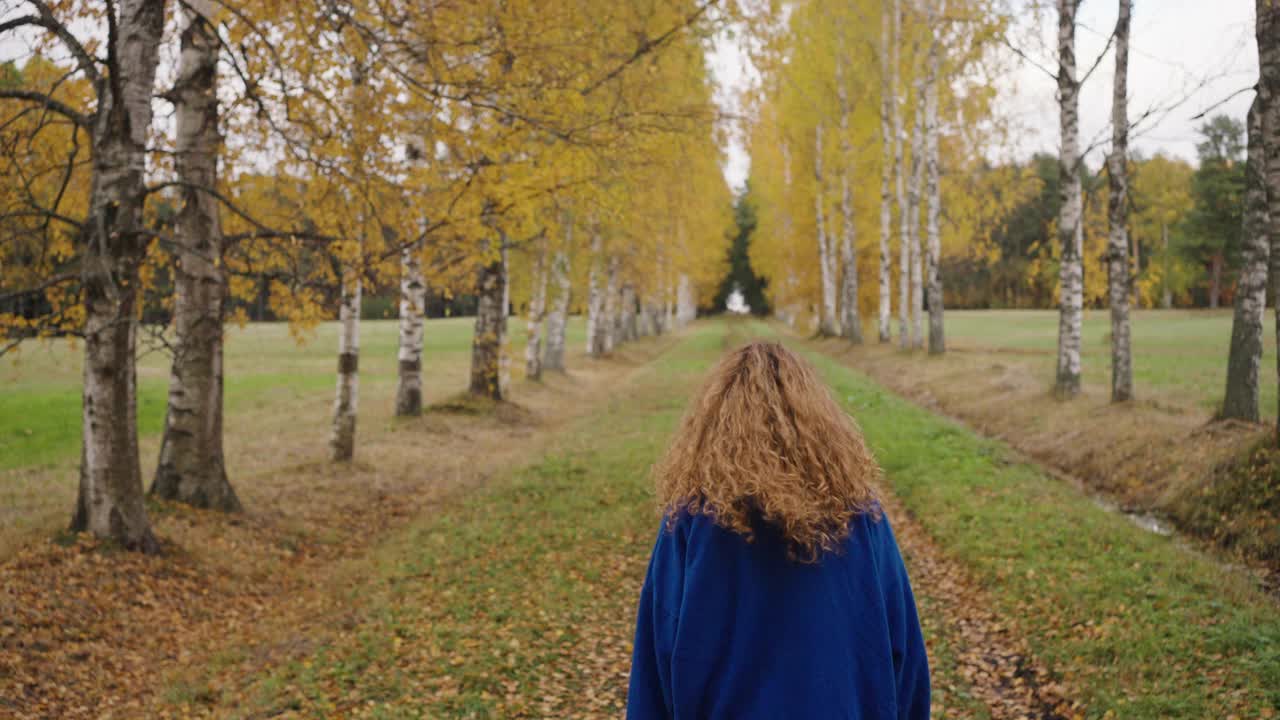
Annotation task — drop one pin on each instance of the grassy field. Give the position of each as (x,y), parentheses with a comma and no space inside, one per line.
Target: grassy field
(265,365)
(518,600)
(275,387)
(1179,353)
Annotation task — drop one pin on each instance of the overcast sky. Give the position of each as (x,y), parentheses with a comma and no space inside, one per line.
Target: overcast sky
(1193,51)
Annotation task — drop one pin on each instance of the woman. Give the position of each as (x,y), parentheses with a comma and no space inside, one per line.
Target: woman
(775,589)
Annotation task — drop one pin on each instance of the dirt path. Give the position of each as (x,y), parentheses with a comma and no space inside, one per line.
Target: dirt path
(86,631)
(989,654)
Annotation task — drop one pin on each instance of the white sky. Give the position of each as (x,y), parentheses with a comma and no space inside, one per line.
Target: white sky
(1196,51)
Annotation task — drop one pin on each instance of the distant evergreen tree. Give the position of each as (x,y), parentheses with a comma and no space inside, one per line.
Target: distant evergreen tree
(741,276)
(1217,189)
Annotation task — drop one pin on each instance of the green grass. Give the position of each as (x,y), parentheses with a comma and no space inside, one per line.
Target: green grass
(1182,353)
(265,365)
(518,600)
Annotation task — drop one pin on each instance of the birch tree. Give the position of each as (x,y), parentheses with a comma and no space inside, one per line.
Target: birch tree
(828,325)
(109,503)
(558,319)
(1268,38)
(933,192)
(850,320)
(1118,272)
(413,296)
(904,209)
(888,88)
(1244,359)
(1070,216)
(537,313)
(596,329)
(191,467)
(487,340)
(915,186)
(342,438)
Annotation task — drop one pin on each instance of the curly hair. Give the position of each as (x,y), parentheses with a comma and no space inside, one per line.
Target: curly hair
(766,441)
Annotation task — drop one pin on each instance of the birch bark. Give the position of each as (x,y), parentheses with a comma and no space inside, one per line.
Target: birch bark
(558,320)
(933,191)
(596,327)
(1070,227)
(916,228)
(109,503)
(904,214)
(1244,361)
(828,325)
(413,295)
(686,309)
(191,468)
(607,325)
(850,321)
(627,313)
(1268,38)
(1118,270)
(537,314)
(888,86)
(490,327)
(342,440)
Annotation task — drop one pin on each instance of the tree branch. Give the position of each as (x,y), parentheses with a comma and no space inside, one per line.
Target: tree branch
(70,113)
(649,45)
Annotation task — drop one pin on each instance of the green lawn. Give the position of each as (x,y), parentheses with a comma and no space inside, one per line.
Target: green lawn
(265,365)
(517,601)
(1179,352)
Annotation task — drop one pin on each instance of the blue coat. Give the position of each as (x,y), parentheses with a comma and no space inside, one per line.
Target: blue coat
(731,630)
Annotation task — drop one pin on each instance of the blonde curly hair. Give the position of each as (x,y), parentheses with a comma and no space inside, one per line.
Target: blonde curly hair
(766,441)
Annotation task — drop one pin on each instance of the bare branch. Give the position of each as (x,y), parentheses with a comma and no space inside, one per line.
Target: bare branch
(1052,75)
(1223,101)
(70,113)
(51,23)
(649,45)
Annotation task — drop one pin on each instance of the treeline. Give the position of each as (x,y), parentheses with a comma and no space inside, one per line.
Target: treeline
(201,163)
(1185,225)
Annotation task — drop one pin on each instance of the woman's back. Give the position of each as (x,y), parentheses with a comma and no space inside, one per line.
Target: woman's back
(735,629)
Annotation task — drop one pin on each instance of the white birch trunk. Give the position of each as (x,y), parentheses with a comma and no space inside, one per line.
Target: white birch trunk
(110,500)
(904,228)
(627,313)
(537,313)
(1070,225)
(488,338)
(828,322)
(342,440)
(850,321)
(933,191)
(597,328)
(606,326)
(888,86)
(1118,270)
(686,304)
(413,298)
(504,338)
(191,467)
(1244,361)
(558,320)
(1268,39)
(915,227)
